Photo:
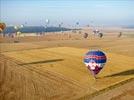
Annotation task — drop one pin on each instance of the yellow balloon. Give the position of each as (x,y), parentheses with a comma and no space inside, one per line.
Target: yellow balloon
(2,26)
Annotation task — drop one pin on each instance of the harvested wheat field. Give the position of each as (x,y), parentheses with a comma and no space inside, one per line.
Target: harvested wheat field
(54,70)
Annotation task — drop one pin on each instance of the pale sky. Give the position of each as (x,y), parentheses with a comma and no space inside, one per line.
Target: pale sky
(97,12)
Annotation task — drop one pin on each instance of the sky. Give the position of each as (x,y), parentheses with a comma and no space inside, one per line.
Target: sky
(92,12)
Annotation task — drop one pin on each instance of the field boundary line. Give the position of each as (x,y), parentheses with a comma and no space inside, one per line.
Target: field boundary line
(89,96)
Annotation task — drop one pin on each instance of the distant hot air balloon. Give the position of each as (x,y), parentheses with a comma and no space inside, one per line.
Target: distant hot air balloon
(95,61)
(120,34)
(18,33)
(47,21)
(100,35)
(85,35)
(96,31)
(21,26)
(16,27)
(77,23)
(2,26)
(60,25)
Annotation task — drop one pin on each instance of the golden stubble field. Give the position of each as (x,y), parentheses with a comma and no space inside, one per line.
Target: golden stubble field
(54,70)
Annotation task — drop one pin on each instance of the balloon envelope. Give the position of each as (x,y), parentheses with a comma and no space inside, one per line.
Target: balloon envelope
(16,27)
(95,61)
(47,21)
(2,26)
(21,26)
(85,35)
(77,23)
(100,35)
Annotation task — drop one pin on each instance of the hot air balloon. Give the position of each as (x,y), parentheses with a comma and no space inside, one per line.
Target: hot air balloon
(100,35)
(59,25)
(120,34)
(95,61)
(16,27)
(21,26)
(96,31)
(77,23)
(47,21)
(2,26)
(85,35)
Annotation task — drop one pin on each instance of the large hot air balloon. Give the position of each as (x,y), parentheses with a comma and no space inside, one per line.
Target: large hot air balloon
(95,61)
(2,26)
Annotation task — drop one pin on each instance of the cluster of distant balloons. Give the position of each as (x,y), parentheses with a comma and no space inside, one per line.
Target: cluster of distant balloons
(47,21)
(96,32)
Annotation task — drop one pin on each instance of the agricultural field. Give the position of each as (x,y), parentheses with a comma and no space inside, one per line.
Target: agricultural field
(54,70)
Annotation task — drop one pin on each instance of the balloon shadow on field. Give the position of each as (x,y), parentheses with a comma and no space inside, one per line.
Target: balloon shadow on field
(46,61)
(124,73)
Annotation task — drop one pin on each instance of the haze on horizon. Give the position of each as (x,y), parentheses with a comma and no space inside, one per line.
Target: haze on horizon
(95,12)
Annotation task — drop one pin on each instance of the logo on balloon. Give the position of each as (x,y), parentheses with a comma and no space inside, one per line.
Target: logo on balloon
(95,61)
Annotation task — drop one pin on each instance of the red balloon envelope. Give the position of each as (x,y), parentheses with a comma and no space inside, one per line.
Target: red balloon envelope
(95,61)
